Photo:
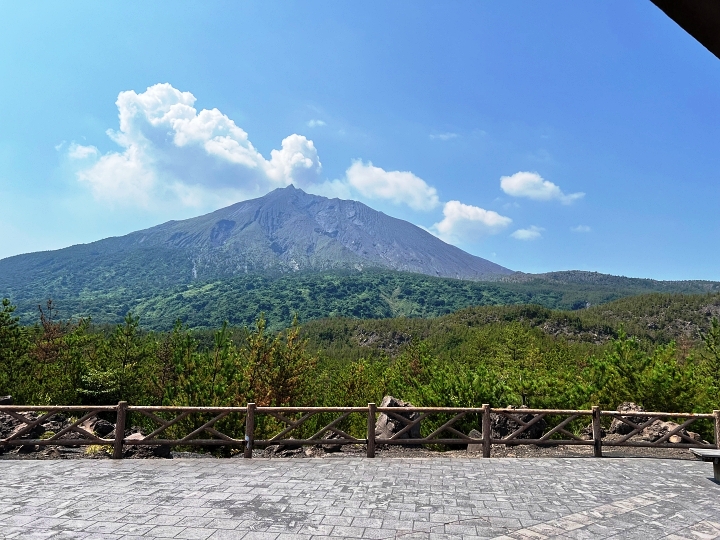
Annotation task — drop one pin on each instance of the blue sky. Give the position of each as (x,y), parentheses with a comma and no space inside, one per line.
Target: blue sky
(540,135)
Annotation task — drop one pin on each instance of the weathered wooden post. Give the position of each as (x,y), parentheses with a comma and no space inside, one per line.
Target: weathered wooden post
(597,432)
(371,430)
(120,429)
(249,430)
(486,430)
(716,414)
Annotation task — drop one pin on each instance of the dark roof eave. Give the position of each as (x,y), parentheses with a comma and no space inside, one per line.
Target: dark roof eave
(699,18)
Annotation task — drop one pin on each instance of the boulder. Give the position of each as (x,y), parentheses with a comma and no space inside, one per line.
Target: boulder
(34,433)
(56,423)
(331,448)
(283,450)
(145,451)
(475,434)
(587,432)
(621,428)
(7,425)
(654,432)
(387,426)
(10,426)
(502,426)
(658,429)
(103,427)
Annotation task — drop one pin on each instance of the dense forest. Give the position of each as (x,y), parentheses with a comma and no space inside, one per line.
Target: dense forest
(370,294)
(499,355)
(510,355)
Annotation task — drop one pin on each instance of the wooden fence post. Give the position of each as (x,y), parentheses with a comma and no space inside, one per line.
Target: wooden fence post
(249,430)
(486,430)
(716,414)
(371,430)
(120,429)
(597,432)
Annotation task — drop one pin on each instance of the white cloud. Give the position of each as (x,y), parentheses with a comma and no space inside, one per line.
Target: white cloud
(399,187)
(444,136)
(533,186)
(332,189)
(77,151)
(466,223)
(581,229)
(531,233)
(173,154)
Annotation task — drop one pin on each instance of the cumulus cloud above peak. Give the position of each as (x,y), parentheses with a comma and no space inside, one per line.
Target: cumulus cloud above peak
(534,186)
(174,154)
(171,153)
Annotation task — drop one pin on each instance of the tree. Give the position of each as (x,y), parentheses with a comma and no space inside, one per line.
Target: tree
(13,351)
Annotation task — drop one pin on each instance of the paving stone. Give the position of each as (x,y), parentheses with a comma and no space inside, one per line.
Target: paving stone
(407,498)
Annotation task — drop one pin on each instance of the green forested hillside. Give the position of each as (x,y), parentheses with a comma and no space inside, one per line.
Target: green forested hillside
(653,319)
(498,355)
(365,295)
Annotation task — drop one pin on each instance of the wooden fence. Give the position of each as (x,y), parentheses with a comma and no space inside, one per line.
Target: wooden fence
(201,424)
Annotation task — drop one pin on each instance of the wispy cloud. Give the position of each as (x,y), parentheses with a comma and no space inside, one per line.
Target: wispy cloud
(316,123)
(581,229)
(444,136)
(533,186)
(531,233)
(77,151)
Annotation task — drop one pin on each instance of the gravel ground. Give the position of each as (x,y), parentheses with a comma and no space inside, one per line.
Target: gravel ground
(354,451)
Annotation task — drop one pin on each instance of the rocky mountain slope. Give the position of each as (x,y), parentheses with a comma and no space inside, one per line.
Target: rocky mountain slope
(283,232)
(285,253)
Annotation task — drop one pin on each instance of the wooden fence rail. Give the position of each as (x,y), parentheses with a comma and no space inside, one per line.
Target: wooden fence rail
(199,426)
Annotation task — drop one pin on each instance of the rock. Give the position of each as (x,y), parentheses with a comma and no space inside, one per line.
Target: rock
(502,426)
(52,453)
(9,426)
(587,432)
(331,448)
(34,433)
(283,450)
(386,426)
(145,451)
(654,432)
(312,451)
(658,429)
(6,400)
(28,448)
(475,434)
(621,428)
(103,427)
(57,423)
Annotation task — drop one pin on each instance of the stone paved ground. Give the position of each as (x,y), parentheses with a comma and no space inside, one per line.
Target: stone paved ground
(433,498)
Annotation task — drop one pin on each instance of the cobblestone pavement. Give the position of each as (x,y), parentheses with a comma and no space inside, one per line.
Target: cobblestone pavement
(433,498)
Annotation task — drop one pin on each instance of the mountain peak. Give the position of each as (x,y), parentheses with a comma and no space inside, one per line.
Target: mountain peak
(287,230)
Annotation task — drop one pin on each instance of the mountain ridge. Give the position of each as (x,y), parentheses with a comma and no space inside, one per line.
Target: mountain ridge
(286,230)
(289,252)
